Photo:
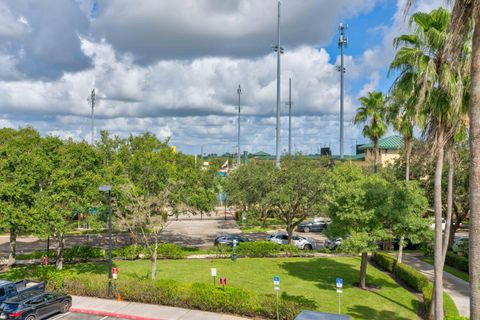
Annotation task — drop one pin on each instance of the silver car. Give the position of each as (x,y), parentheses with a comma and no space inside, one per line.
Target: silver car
(298,241)
(333,244)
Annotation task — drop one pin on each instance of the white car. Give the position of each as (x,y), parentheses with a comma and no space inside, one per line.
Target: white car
(332,244)
(298,241)
(444,223)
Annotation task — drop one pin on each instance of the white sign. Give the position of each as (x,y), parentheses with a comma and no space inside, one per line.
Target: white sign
(214,272)
(339,290)
(277,288)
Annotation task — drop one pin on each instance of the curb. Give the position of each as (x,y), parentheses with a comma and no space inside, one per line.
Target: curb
(111,314)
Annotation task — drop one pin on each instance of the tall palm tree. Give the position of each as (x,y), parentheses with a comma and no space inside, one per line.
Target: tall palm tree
(373,112)
(464,13)
(426,77)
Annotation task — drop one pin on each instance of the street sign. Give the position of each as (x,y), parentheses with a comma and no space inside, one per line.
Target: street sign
(214,272)
(276,288)
(339,282)
(276,281)
(339,290)
(115,273)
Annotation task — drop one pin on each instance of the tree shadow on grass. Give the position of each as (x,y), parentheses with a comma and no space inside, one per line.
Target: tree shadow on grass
(364,312)
(324,271)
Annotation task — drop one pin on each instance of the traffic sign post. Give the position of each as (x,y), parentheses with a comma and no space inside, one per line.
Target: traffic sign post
(339,285)
(234,252)
(223,282)
(214,274)
(276,287)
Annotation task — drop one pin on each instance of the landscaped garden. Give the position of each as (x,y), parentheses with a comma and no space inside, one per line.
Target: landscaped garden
(311,281)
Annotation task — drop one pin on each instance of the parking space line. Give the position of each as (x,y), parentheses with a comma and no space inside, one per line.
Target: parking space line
(104,318)
(60,316)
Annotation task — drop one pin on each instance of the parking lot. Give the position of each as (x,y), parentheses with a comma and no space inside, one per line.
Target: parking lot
(80,316)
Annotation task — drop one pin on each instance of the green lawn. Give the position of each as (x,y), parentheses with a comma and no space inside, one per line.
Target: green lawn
(457,273)
(314,279)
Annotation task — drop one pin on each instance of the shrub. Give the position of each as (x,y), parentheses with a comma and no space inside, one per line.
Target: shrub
(258,249)
(170,251)
(414,279)
(130,252)
(291,251)
(83,253)
(221,251)
(384,260)
(37,255)
(189,295)
(456,261)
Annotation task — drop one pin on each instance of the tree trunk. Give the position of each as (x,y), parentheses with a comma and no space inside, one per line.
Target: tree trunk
(363,271)
(408,153)
(400,249)
(448,220)
(437,200)
(154,260)
(474,110)
(13,246)
(60,250)
(290,233)
(375,156)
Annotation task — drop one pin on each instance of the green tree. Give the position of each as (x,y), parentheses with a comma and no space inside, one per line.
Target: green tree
(71,187)
(373,112)
(21,171)
(298,190)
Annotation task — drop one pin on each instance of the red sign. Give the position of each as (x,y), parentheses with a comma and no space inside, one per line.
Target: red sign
(223,281)
(114,270)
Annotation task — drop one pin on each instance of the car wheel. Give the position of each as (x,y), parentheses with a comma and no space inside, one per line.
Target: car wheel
(30,318)
(66,306)
(307,247)
(306,229)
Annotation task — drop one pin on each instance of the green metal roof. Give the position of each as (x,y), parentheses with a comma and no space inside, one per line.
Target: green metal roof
(261,154)
(389,143)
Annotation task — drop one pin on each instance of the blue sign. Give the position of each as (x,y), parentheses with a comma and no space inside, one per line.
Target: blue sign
(339,282)
(276,280)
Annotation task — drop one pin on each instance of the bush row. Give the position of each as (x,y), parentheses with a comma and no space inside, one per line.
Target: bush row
(385,261)
(260,249)
(456,261)
(415,280)
(199,296)
(69,254)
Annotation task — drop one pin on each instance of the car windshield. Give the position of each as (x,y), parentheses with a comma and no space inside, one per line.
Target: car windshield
(9,307)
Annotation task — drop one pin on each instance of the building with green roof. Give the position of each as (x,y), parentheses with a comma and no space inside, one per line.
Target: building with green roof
(390,149)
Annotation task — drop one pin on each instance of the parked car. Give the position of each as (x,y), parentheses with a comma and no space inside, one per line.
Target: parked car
(298,241)
(34,305)
(314,225)
(444,222)
(407,245)
(333,244)
(227,239)
(9,289)
(460,245)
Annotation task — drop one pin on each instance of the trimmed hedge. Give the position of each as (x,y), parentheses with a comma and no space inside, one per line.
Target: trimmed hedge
(415,280)
(412,278)
(384,260)
(83,252)
(258,249)
(199,296)
(456,261)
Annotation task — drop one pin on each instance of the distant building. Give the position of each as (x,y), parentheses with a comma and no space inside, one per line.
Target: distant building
(390,148)
(261,155)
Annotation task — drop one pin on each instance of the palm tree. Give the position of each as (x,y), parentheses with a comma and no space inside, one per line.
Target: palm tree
(430,82)
(464,13)
(373,112)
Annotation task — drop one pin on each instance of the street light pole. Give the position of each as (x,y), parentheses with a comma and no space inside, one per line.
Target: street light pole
(279,50)
(342,43)
(289,116)
(239,91)
(109,190)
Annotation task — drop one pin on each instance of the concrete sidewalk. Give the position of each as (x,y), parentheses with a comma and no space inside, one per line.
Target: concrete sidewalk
(457,288)
(133,310)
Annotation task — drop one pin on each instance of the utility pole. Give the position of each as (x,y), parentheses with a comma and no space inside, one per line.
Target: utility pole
(239,91)
(92,101)
(342,43)
(279,50)
(289,116)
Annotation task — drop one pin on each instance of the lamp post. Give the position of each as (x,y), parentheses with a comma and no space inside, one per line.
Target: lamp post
(109,190)
(279,50)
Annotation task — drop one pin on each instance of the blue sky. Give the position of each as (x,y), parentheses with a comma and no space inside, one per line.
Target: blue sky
(172,68)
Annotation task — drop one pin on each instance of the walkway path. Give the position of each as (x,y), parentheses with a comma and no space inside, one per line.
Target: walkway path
(457,288)
(133,310)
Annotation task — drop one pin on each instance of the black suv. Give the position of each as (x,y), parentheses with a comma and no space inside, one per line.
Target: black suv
(34,305)
(227,239)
